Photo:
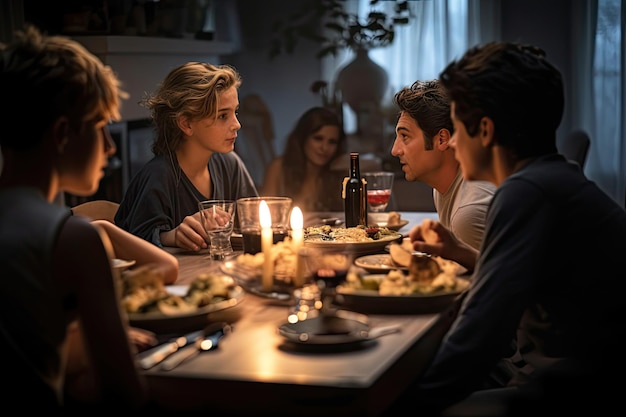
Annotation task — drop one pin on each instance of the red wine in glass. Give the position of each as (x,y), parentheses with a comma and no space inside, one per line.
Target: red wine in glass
(378,199)
(252,240)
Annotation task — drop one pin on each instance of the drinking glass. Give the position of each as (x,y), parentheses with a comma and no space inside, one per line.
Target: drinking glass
(250,225)
(218,219)
(379,185)
(327,269)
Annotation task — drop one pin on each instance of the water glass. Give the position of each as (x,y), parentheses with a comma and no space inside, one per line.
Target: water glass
(379,185)
(218,219)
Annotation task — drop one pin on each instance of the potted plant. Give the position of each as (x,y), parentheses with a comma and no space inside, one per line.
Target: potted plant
(328,23)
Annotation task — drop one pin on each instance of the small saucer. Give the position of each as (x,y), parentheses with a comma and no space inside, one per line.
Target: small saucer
(325,330)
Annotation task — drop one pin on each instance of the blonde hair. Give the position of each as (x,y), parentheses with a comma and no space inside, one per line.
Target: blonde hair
(191,90)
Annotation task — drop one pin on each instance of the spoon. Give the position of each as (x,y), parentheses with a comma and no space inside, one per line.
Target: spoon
(212,335)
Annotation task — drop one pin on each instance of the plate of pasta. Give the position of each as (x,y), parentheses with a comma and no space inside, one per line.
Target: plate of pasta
(358,240)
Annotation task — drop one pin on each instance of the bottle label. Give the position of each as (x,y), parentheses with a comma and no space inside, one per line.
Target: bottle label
(343,187)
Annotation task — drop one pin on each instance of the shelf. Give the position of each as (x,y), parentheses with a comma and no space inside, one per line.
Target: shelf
(143,45)
(141,62)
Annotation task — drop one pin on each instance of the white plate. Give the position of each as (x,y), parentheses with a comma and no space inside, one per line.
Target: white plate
(361,248)
(378,263)
(157,321)
(396,226)
(380,220)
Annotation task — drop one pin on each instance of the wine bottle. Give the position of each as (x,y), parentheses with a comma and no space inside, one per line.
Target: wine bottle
(355,194)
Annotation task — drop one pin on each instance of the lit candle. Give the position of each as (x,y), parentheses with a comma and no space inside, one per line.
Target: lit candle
(267,240)
(297,239)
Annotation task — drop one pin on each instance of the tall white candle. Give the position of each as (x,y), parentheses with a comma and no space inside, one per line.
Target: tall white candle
(267,240)
(297,240)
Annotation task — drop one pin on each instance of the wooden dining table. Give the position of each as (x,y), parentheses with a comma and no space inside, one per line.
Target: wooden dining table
(256,371)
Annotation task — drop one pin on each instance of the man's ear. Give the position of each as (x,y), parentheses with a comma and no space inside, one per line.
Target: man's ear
(442,139)
(59,132)
(486,130)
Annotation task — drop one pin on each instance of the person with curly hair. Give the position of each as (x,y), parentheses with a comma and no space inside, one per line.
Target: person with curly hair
(422,145)
(195,115)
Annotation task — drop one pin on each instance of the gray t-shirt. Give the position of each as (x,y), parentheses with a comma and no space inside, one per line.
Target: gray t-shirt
(463,207)
(160,195)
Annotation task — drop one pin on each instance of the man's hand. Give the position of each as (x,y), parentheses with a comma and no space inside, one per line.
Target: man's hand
(432,237)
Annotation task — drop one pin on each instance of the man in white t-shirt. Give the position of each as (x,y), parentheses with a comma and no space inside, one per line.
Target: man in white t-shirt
(423,132)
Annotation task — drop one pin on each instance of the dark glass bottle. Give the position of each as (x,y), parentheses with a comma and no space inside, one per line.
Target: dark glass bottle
(355,194)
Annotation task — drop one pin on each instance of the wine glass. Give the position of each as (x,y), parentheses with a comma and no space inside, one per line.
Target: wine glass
(379,185)
(328,269)
(218,219)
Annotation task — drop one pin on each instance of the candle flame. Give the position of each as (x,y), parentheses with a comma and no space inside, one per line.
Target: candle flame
(297,220)
(265,217)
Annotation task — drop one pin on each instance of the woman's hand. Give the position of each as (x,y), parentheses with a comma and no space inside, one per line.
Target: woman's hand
(432,237)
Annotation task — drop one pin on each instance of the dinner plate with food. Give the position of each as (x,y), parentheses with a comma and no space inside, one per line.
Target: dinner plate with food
(429,285)
(154,306)
(358,240)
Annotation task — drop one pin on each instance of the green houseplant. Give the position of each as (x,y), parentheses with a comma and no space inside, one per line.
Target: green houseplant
(327,23)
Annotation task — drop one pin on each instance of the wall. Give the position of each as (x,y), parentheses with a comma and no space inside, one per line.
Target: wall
(546,24)
(283,82)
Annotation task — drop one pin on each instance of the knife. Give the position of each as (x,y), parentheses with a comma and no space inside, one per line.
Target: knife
(157,354)
(209,341)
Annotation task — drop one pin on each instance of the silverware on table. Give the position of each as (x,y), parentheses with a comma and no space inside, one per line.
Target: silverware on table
(157,354)
(209,341)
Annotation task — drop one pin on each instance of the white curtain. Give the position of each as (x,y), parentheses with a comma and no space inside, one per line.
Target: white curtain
(438,32)
(599,89)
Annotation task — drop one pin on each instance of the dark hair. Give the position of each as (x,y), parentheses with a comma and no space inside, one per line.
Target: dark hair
(45,77)
(294,158)
(191,90)
(516,87)
(426,102)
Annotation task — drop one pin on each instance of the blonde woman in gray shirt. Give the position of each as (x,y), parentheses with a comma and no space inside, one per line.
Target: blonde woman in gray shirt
(423,132)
